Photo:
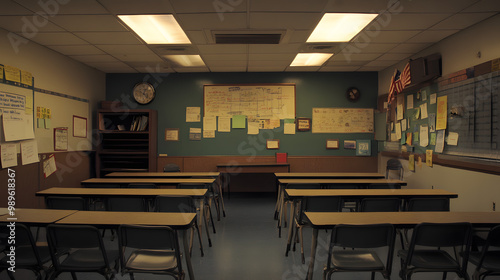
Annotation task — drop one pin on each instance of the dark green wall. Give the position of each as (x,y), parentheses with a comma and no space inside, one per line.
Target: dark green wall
(175,92)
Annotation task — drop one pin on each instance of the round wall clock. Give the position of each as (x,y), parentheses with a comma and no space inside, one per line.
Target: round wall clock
(353,94)
(143,92)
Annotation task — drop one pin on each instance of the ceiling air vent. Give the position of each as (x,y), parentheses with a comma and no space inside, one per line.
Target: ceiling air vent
(247,38)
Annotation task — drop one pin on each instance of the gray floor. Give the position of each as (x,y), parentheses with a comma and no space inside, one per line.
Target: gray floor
(247,247)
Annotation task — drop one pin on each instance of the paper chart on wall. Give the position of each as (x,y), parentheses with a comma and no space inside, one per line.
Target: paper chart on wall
(342,120)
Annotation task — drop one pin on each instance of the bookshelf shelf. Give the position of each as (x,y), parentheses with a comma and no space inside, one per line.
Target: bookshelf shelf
(127,141)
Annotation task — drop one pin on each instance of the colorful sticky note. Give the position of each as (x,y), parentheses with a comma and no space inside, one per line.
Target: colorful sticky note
(239,121)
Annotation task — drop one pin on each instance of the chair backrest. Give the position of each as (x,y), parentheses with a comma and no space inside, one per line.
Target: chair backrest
(63,238)
(319,204)
(126,204)
(175,204)
(142,186)
(66,203)
(428,204)
(394,164)
(24,239)
(380,205)
(171,167)
(493,238)
(441,234)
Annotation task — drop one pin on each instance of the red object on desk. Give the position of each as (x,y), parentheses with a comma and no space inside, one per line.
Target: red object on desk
(281,157)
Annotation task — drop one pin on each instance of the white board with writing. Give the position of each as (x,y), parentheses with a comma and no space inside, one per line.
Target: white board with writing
(260,101)
(342,120)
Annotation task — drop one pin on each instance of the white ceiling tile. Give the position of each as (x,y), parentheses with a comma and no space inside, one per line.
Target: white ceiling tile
(394,56)
(229,69)
(64,7)
(10,7)
(77,50)
(410,48)
(222,49)
(197,37)
(287,5)
(57,38)
(147,69)
(211,21)
(355,57)
(267,63)
(462,20)
(484,6)
(94,58)
(381,63)
(125,49)
(105,38)
(346,68)
(286,20)
(266,69)
(152,58)
(272,57)
(90,23)
(405,21)
(26,25)
(226,63)
(113,67)
(433,6)
(371,68)
(279,48)
(137,7)
(357,6)
(220,57)
(302,69)
(431,36)
(203,6)
(359,47)
(384,37)
(299,36)
(191,69)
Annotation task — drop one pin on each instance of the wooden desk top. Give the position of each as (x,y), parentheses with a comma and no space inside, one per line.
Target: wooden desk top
(4,211)
(401,219)
(148,180)
(85,192)
(343,181)
(256,164)
(295,193)
(37,216)
(331,175)
(114,219)
(162,174)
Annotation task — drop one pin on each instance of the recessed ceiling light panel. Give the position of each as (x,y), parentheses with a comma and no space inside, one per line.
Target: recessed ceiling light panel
(339,27)
(310,59)
(156,29)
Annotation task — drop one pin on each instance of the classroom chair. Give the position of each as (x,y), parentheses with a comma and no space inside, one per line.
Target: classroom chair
(181,204)
(429,246)
(212,195)
(391,204)
(394,165)
(150,249)
(29,255)
(86,251)
(66,203)
(487,261)
(352,249)
(171,167)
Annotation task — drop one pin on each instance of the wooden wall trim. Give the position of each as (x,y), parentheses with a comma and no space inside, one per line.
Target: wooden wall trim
(471,164)
(297,163)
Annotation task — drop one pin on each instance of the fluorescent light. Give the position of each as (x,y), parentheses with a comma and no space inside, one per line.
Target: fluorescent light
(311,59)
(186,60)
(156,29)
(339,27)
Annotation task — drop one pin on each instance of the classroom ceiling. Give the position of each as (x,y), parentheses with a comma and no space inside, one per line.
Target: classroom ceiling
(89,31)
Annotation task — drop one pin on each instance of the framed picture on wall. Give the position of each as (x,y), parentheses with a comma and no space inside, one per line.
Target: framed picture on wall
(332,143)
(272,144)
(79,127)
(60,139)
(303,124)
(171,134)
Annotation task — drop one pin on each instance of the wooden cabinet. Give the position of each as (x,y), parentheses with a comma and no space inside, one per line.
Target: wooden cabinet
(127,141)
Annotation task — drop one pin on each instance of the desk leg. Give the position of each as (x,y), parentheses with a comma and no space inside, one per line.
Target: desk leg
(314,244)
(290,228)
(202,216)
(187,254)
(221,197)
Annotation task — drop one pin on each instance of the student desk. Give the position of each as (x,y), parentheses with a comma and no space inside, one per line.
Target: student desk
(36,217)
(4,211)
(160,181)
(329,175)
(197,194)
(197,175)
(237,168)
(322,220)
(296,195)
(106,219)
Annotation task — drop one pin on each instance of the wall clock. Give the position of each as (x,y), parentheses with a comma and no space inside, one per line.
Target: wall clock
(143,92)
(353,94)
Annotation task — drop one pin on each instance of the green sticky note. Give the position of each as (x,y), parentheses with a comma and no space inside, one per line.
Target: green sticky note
(433,139)
(47,123)
(415,136)
(403,138)
(40,123)
(239,121)
(289,121)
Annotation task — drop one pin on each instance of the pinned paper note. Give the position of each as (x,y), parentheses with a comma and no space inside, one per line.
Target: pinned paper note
(193,114)
(442,112)
(433,98)
(224,124)
(239,121)
(411,162)
(409,101)
(423,111)
(433,139)
(424,136)
(428,158)
(439,141)
(452,139)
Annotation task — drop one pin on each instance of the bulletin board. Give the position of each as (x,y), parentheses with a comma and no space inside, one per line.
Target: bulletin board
(264,101)
(342,120)
(18,101)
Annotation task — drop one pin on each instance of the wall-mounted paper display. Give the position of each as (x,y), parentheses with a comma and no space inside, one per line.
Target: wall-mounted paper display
(171,134)
(332,143)
(272,144)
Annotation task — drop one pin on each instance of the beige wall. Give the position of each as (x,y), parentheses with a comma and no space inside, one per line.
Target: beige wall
(477,191)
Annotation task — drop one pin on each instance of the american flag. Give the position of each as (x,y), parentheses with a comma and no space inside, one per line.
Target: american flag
(395,86)
(405,76)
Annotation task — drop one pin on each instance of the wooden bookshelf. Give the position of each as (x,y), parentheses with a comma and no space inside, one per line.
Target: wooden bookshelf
(127,141)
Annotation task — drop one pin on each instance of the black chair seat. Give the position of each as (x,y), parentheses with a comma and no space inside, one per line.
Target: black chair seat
(357,260)
(152,260)
(491,260)
(431,259)
(26,257)
(83,259)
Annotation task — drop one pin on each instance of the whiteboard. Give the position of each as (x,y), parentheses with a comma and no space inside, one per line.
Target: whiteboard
(342,120)
(264,101)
